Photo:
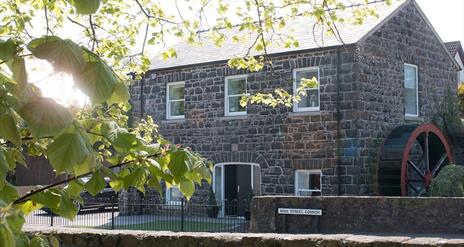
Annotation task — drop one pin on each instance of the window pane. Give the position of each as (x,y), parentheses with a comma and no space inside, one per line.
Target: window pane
(176,92)
(177,108)
(234,104)
(310,100)
(218,182)
(409,77)
(410,85)
(411,101)
(236,86)
(308,181)
(174,194)
(308,74)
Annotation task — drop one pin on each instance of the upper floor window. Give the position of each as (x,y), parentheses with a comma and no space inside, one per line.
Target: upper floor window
(175,100)
(410,90)
(308,182)
(310,101)
(235,89)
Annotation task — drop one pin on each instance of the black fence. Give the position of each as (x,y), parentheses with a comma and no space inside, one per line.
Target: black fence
(177,216)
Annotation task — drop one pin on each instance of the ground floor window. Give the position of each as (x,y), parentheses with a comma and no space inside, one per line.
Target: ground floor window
(308,182)
(234,184)
(173,196)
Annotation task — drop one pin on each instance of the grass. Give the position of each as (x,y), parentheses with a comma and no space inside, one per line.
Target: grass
(175,225)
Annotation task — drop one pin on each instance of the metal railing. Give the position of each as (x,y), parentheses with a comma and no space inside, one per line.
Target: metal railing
(179,216)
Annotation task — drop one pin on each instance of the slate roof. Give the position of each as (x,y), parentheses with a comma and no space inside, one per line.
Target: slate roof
(453,47)
(309,36)
(302,28)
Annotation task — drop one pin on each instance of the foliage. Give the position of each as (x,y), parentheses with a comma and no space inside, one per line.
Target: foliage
(212,198)
(449,117)
(461,98)
(89,141)
(449,182)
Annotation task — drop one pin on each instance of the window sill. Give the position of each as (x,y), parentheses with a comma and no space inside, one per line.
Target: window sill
(167,121)
(413,119)
(304,113)
(236,117)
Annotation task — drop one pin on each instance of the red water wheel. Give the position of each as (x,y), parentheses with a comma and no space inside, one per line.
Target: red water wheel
(411,156)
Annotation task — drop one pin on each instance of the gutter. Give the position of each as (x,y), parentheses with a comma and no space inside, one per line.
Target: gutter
(338,117)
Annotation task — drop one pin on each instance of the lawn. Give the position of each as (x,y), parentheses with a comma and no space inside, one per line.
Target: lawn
(173,225)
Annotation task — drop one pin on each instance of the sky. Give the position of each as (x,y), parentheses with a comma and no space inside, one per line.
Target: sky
(447,17)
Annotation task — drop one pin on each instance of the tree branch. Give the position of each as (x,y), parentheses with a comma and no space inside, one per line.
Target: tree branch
(27,196)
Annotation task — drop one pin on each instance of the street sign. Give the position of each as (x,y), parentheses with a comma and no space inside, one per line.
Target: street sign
(299,211)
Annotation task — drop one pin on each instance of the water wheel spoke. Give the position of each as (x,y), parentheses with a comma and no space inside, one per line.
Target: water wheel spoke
(422,191)
(426,152)
(439,164)
(413,188)
(416,169)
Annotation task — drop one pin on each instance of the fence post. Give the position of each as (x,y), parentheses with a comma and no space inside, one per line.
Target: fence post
(112,213)
(182,215)
(51,218)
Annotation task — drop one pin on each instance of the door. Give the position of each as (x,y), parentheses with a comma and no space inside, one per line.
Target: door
(237,188)
(233,184)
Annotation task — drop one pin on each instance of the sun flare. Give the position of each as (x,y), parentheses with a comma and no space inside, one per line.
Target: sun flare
(57,85)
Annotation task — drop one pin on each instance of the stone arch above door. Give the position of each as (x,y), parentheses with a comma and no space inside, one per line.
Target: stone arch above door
(245,157)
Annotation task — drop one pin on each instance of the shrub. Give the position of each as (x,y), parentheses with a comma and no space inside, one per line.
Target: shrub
(449,182)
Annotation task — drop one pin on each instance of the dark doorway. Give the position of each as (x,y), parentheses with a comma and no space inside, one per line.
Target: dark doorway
(237,188)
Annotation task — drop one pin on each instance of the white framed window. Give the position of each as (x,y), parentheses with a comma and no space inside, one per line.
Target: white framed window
(175,101)
(310,101)
(411,91)
(308,182)
(173,196)
(235,89)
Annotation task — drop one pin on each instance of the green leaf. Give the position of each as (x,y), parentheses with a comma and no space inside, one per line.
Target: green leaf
(74,188)
(6,235)
(96,183)
(8,129)
(187,188)
(7,49)
(22,240)
(54,242)
(45,117)
(29,207)
(15,222)
(18,67)
(136,179)
(3,167)
(8,193)
(178,165)
(69,150)
(120,94)
(64,55)
(66,208)
(39,241)
(49,198)
(85,7)
(121,138)
(97,80)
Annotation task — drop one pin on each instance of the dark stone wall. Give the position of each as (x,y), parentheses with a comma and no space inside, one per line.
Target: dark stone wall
(82,237)
(371,104)
(405,38)
(277,139)
(373,215)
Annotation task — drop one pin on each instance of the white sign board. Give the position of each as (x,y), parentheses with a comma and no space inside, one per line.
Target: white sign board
(299,211)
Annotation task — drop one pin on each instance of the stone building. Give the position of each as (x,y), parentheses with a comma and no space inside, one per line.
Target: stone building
(389,71)
(455,49)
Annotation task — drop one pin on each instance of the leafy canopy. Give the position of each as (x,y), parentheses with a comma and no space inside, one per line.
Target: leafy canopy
(89,141)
